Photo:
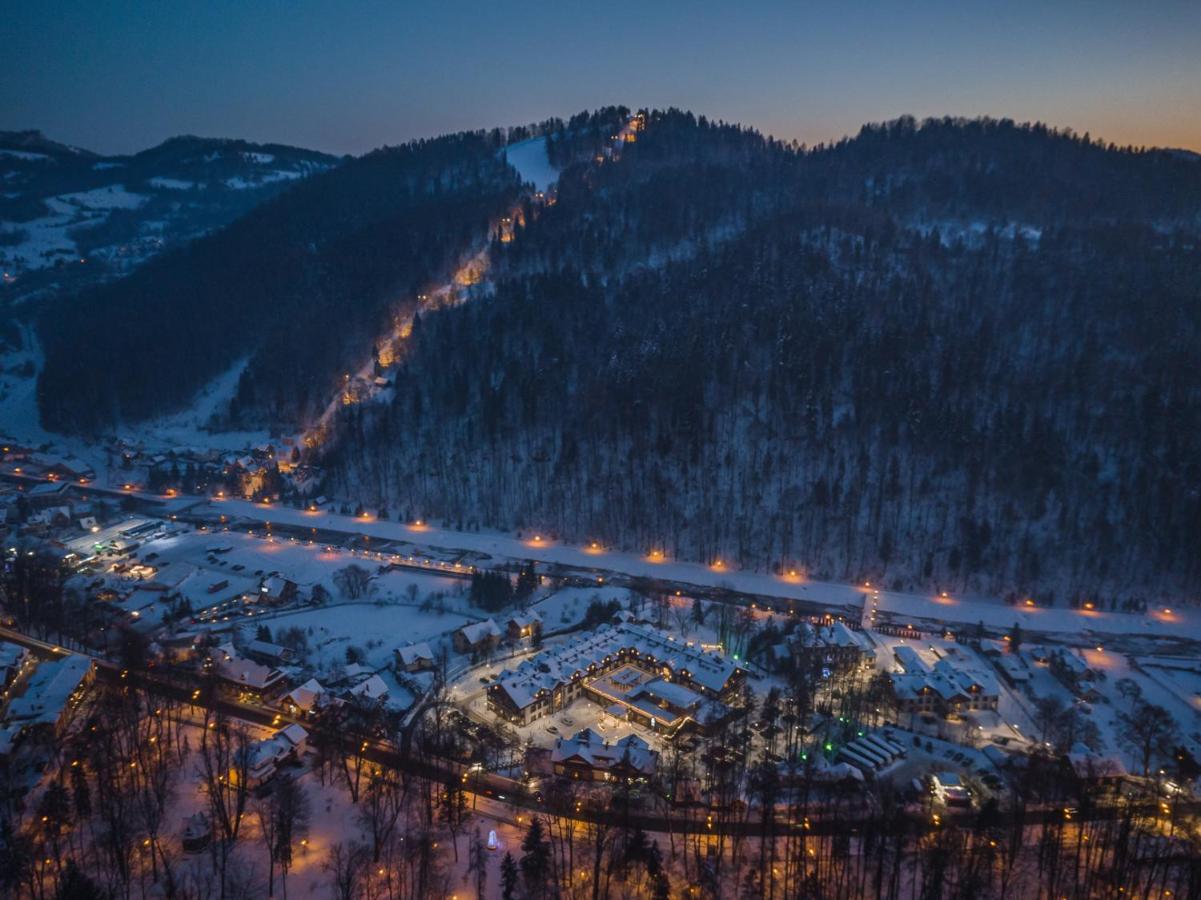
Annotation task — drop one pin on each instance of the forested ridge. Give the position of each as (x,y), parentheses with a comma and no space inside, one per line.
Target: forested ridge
(946,353)
(300,287)
(950,353)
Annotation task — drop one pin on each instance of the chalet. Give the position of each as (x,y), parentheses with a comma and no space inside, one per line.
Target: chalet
(305,699)
(268,654)
(414,658)
(525,626)
(948,688)
(249,676)
(277,590)
(15,661)
(196,833)
(839,646)
(373,690)
(477,637)
(586,756)
(265,757)
(1101,774)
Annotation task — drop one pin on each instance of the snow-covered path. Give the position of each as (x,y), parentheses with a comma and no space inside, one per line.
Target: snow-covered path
(1178,622)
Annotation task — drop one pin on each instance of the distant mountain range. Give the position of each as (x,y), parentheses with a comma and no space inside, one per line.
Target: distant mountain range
(70,217)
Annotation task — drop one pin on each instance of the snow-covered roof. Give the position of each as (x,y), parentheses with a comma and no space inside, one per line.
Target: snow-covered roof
(305,696)
(246,672)
(275,585)
(266,648)
(911,661)
(374,688)
(524,619)
(675,694)
(475,632)
(589,748)
(1087,765)
(49,689)
(593,650)
(415,653)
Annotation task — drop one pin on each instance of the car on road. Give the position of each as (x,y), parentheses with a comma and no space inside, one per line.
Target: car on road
(552,729)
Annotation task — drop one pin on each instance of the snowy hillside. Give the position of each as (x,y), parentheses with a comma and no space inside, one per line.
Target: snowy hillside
(68,217)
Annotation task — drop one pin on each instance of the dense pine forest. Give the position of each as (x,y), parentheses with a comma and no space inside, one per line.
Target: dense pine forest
(955,353)
(298,287)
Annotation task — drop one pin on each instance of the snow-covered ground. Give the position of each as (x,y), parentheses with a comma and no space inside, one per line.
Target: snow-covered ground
(376,629)
(901,607)
(566,607)
(171,184)
(530,160)
(189,427)
(238,183)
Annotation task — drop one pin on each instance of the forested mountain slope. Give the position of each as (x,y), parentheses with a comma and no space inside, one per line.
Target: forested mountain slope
(299,287)
(949,354)
(70,218)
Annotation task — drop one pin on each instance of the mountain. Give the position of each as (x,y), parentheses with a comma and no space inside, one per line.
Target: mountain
(951,353)
(956,353)
(293,293)
(70,218)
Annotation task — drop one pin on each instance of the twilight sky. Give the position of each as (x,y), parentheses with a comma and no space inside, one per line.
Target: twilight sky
(116,76)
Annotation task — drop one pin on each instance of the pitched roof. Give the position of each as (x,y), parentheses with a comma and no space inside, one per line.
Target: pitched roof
(415,652)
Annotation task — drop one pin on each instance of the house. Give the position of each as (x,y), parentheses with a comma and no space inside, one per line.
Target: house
(267,653)
(247,675)
(953,685)
(477,637)
(1102,774)
(277,590)
(948,789)
(586,756)
(304,699)
(14,662)
(414,657)
(839,646)
(266,756)
(196,833)
(525,626)
(373,690)
(54,689)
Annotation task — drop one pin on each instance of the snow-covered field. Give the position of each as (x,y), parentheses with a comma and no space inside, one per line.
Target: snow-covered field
(566,607)
(376,629)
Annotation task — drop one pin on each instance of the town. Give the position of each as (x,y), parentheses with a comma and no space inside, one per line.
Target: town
(245,646)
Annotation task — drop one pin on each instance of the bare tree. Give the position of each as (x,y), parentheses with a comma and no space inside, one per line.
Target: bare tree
(353,581)
(283,817)
(1148,730)
(346,864)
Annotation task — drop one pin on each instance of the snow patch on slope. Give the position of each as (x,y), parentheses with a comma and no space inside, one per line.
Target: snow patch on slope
(532,163)
(190,427)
